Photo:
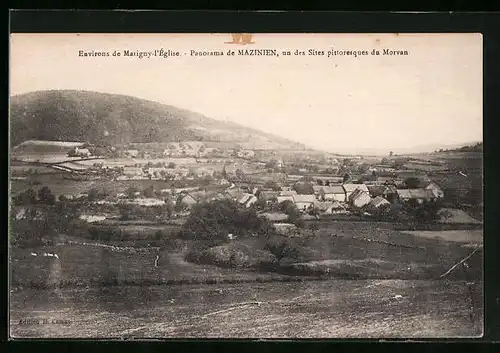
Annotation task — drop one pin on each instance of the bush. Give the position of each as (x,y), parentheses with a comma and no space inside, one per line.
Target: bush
(232,256)
(45,196)
(282,248)
(27,197)
(214,220)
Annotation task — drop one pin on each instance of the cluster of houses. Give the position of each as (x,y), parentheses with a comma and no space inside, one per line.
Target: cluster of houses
(332,199)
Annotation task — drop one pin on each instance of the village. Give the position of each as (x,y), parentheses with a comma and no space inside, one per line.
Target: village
(188,173)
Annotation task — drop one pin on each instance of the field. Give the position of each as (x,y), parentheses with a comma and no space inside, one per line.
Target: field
(312,309)
(359,250)
(459,236)
(59,185)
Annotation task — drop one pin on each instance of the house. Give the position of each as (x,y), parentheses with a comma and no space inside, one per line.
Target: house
(350,188)
(246,154)
(321,206)
(303,202)
(133,171)
(187,200)
(326,180)
(332,193)
(379,201)
(438,193)
(79,152)
(335,208)
(132,153)
(233,193)
(317,189)
(268,195)
(288,193)
(359,198)
(281,199)
(247,200)
(386,191)
(326,207)
(292,178)
(420,195)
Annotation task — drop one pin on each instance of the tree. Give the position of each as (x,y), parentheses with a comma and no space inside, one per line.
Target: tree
(282,248)
(412,183)
(130,192)
(149,192)
(171,165)
(92,194)
(27,197)
(216,219)
(391,153)
(126,211)
(206,180)
(299,222)
(169,208)
(346,178)
(271,184)
(45,196)
(314,227)
(62,198)
(304,188)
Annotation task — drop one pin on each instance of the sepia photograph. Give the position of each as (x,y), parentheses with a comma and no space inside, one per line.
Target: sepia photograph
(246,185)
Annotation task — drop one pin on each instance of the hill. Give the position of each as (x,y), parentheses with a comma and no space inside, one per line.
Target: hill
(102,118)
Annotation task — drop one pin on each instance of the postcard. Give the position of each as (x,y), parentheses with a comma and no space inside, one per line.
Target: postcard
(246,185)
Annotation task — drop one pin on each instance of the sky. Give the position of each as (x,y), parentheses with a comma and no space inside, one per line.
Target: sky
(343,104)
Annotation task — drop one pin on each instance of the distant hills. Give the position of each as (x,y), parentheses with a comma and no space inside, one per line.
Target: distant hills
(102,118)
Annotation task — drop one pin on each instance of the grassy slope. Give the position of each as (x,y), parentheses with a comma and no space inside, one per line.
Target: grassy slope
(68,115)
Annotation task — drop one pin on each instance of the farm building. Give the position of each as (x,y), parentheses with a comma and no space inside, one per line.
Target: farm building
(435,189)
(359,198)
(303,202)
(132,153)
(292,178)
(420,195)
(268,195)
(80,152)
(233,194)
(382,190)
(350,188)
(281,199)
(325,180)
(321,206)
(133,171)
(335,208)
(332,193)
(246,154)
(326,207)
(317,189)
(247,200)
(288,193)
(379,201)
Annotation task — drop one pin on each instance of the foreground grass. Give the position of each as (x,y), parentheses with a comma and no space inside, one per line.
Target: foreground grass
(326,309)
